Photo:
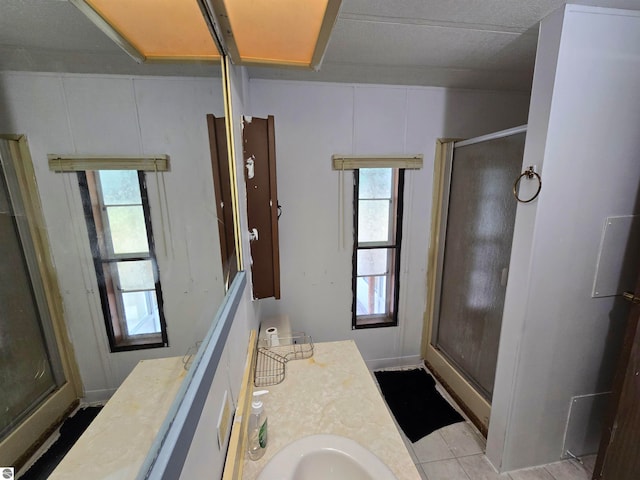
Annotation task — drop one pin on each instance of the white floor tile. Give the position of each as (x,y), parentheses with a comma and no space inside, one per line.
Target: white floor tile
(538,473)
(477,467)
(455,452)
(444,470)
(432,448)
(567,470)
(462,439)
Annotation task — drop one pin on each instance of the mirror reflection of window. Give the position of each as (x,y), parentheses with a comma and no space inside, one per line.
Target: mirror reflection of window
(119,225)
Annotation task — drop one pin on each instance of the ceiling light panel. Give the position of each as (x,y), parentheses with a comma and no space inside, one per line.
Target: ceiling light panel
(278,32)
(160,29)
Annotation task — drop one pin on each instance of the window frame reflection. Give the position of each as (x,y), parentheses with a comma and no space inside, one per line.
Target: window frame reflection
(149,330)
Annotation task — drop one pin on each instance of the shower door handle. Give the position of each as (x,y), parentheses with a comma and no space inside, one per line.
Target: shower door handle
(504,276)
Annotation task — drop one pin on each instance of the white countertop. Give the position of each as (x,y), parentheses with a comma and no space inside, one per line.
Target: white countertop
(116,443)
(332,392)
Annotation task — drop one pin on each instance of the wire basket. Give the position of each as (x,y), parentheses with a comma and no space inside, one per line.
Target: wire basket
(272,359)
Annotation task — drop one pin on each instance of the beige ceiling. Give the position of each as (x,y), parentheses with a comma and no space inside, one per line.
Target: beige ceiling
(487,44)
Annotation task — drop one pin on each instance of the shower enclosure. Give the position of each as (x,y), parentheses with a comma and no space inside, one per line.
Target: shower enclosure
(34,377)
(471,248)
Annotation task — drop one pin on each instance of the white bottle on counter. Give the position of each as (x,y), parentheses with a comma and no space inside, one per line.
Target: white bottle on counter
(257,428)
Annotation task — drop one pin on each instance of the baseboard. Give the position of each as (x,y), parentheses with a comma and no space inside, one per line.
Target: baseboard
(408,361)
(98,397)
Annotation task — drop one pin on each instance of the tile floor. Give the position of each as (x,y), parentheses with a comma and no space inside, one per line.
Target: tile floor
(456,452)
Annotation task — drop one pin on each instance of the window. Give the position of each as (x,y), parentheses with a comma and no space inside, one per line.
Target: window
(378,194)
(119,225)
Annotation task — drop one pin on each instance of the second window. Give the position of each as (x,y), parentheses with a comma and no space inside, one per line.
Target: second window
(378,194)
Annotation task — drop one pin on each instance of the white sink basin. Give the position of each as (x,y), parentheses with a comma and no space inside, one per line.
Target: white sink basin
(322,457)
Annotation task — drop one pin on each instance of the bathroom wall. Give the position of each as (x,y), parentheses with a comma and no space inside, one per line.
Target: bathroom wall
(557,341)
(119,115)
(318,100)
(314,121)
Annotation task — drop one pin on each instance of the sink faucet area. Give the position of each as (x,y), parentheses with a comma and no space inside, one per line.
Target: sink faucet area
(327,419)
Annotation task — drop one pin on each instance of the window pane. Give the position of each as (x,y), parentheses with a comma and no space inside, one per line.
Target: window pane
(128,230)
(377,192)
(371,296)
(373,262)
(141,312)
(375,182)
(136,275)
(120,187)
(373,220)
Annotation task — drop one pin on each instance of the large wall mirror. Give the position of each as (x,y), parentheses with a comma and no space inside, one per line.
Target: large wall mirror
(75,94)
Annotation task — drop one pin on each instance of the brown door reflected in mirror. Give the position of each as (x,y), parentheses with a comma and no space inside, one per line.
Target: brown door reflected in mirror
(259,154)
(224,196)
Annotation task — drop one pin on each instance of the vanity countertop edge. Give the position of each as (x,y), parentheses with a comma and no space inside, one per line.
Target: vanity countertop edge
(116,443)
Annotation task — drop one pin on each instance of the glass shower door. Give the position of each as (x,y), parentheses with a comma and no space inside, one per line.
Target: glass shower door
(477,248)
(30,367)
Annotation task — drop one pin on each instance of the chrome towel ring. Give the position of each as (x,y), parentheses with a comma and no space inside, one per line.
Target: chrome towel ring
(529,173)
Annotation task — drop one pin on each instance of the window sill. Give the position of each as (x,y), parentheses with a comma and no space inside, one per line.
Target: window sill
(138,344)
(373,322)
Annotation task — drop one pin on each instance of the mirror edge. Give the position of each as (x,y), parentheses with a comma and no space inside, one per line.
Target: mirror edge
(231,156)
(169,450)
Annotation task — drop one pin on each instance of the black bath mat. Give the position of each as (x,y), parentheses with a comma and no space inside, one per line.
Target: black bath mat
(70,432)
(414,401)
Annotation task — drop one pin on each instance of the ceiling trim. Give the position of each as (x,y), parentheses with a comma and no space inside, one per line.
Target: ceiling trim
(483,27)
(108,30)
(405,76)
(214,27)
(218,16)
(328,22)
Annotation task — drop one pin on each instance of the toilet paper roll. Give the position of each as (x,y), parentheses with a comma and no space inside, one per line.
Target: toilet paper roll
(272,337)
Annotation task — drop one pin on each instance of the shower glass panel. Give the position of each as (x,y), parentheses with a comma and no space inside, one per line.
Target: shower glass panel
(479,232)
(30,368)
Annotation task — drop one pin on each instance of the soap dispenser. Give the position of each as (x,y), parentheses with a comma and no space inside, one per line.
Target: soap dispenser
(257,427)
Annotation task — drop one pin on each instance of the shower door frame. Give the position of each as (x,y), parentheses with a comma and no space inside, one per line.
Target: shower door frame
(477,408)
(16,448)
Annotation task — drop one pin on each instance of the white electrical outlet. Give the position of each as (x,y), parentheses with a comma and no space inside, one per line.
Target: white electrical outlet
(224,421)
